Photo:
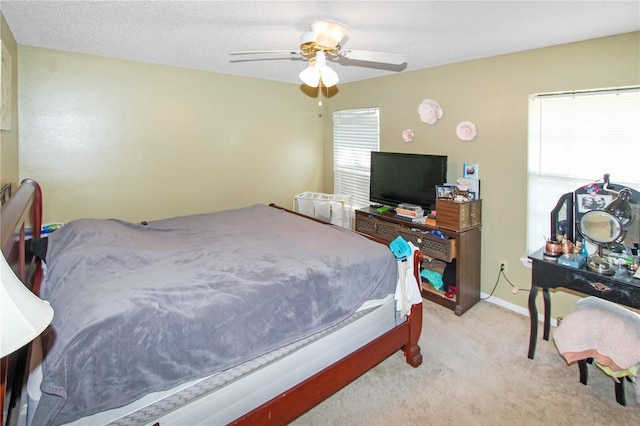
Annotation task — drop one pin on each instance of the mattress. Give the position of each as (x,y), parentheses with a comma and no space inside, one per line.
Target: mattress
(223,397)
(142,308)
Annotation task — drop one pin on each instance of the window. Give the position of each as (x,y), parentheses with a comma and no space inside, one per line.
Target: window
(574,139)
(356,132)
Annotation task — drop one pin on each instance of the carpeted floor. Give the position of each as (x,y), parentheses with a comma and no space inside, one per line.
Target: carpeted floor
(476,372)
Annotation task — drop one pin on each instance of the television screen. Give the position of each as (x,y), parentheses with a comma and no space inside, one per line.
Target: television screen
(406,178)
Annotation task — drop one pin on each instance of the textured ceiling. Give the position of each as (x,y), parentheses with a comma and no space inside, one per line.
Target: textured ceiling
(200,34)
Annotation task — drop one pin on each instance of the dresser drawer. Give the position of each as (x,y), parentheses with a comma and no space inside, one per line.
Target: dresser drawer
(385,230)
(439,248)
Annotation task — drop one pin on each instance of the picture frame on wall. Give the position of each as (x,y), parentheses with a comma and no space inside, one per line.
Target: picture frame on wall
(470,170)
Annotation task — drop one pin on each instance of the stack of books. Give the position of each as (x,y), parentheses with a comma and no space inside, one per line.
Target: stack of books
(409,211)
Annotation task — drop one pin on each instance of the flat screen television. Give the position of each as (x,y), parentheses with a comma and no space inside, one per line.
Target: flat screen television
(406,178)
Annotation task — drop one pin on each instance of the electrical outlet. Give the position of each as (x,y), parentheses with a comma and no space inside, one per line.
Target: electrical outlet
(503,265)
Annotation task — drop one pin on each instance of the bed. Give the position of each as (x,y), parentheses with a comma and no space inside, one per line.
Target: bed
(257,328)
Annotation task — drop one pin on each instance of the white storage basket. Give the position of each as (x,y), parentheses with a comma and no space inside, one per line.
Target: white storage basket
(333,208)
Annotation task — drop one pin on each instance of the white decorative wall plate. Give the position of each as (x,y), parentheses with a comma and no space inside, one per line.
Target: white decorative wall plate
(466,131)
(407,135)
(429,111)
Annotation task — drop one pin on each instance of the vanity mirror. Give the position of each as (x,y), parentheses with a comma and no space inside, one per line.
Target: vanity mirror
(606,215)
(562,218)
(602,229)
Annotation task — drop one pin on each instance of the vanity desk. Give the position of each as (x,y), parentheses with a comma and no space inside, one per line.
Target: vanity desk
(606,215)
(620,288)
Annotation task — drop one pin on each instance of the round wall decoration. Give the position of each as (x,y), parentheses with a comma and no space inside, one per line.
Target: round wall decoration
(466,131)
(407,135)
(429,111)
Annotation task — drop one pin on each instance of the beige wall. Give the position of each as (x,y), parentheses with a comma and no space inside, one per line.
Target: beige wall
(493,93)
(114,138)
(9,138)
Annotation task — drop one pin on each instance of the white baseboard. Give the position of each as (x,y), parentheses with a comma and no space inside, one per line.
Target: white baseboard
(515,308)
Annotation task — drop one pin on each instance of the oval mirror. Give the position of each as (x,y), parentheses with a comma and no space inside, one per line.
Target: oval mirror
(600,227)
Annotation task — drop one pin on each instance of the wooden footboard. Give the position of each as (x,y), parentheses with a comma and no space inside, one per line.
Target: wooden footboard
(21,214)
(296,401)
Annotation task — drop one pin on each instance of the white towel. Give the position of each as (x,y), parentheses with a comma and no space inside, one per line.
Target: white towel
(599,329)
(407,290)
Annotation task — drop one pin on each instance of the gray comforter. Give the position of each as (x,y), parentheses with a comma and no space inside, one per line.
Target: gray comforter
(142,308)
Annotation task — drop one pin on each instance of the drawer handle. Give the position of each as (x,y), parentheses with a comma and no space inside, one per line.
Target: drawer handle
(600,287)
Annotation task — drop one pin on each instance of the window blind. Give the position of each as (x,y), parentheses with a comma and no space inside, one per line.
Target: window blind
(356,132)
(574,139)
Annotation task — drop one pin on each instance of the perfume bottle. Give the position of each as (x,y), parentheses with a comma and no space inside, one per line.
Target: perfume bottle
(583,249)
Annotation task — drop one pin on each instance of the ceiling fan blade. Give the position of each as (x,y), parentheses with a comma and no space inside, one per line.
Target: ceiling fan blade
(262,52)
(369,56)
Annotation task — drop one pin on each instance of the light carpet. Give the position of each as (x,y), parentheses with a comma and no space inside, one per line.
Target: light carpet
(476,372)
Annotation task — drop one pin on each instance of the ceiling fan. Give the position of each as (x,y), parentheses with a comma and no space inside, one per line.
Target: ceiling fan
(322,43)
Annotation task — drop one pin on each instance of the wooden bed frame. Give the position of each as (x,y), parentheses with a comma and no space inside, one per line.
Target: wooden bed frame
(23,211)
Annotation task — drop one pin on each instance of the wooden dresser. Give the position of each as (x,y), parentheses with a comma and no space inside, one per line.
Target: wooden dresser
(462,245)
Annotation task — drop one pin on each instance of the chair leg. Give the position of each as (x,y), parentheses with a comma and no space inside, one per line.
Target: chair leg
(619,384)
(584,373)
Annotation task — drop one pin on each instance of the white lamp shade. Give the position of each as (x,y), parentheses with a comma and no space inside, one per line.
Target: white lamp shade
(329,76)
(308,37)
(310,76)
(23,316)
(317,70)
(328,33)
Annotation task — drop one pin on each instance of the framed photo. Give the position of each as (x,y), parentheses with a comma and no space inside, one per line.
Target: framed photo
(444,192)
(588,202)
(470,170)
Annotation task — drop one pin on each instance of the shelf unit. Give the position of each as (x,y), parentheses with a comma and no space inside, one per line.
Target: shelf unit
(462,245)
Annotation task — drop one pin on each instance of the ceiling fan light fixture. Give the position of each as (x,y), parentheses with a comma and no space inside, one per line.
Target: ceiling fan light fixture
(308,37)
(322,42)
(310,76)
(329,77)
(328,33)
(318,70)
(320,60)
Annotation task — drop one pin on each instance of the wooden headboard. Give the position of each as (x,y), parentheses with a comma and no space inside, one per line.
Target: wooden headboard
(20,218)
